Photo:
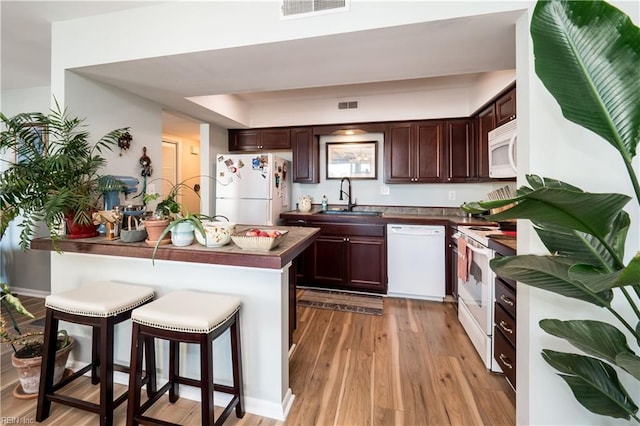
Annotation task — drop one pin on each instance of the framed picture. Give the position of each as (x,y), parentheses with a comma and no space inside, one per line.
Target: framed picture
(32,141)
(355,160)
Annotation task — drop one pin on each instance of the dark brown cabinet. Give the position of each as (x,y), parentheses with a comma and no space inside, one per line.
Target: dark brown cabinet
(486,123)
(460,150)
(259,139)
(305,147)
(345,256)
(451,260)
(413,152)
(506,107)
(505,331)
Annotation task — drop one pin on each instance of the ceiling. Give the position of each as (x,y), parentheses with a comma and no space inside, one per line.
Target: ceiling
(337,66)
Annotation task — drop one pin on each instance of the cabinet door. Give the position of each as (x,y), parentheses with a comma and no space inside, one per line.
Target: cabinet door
(486,123)
(244,140)
(506,107)
(427,154)
(306,165)
(329,266)
(275,139)
(366,264)
(451,257)
(460,150)
(398,153)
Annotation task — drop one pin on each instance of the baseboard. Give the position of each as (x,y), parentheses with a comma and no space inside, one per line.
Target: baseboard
(21,291)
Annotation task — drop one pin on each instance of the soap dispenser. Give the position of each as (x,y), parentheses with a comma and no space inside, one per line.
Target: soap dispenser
(325,202)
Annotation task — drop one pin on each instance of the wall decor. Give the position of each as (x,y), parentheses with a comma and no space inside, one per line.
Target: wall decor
(355,160)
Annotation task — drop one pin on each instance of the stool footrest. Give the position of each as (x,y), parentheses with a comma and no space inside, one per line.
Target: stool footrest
(156,396)
(151,421)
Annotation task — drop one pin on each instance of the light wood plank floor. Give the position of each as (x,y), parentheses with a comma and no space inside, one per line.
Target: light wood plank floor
(412,366)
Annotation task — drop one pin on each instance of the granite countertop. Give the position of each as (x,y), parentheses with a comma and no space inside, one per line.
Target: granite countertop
(296,241)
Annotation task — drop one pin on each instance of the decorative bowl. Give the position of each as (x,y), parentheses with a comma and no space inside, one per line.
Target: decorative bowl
(217,233)
(258,243)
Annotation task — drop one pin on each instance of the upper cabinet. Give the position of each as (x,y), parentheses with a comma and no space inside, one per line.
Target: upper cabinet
(413,152)
(506,107)
(461,150)
(486,120)
(259,139)
(306,163)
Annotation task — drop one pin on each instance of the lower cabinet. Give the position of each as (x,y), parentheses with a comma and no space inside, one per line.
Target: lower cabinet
(504,331)
(345,256)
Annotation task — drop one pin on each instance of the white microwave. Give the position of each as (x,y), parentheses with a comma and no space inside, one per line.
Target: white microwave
(502,151)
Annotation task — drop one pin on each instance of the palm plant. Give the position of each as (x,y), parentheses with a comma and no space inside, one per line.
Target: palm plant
(55,172)
(587,54)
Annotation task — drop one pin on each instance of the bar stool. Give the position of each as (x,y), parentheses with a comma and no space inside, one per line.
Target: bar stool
(100,305)
(185,316)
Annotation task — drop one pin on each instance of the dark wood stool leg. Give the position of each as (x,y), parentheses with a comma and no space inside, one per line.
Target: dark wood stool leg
(236,360)
(135,375)
(174,370)
(48,365)
(206,379)
(95,355)
(150,365)
(106,371)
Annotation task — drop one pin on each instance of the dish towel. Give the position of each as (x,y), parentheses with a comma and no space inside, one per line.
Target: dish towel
(463,269)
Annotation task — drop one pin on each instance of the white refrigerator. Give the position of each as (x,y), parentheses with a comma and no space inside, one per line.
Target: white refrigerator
(252,189)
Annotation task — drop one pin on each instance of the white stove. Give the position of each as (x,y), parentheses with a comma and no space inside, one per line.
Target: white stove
(481,233)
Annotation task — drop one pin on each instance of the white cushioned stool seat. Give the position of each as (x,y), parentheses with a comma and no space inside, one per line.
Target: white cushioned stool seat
(100,299)
(188,311)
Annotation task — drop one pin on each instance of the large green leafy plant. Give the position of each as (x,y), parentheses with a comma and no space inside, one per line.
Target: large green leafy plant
(54,172)
(587,54)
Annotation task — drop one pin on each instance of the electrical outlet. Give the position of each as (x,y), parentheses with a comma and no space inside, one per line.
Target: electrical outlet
(384,190)
(452,195)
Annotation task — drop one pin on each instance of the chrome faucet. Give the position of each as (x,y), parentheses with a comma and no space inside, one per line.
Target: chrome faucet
(350,205)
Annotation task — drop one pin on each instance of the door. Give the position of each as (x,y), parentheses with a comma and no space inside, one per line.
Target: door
(329,266)
(428,155)
(245,211)
(366,264)
(476,292)
(398,158)
(169,168)
(461,150)
(244,176)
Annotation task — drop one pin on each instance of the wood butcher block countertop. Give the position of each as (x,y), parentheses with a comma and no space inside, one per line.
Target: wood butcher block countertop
(296,241)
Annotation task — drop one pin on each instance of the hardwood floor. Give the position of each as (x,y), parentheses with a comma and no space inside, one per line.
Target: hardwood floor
(412,366)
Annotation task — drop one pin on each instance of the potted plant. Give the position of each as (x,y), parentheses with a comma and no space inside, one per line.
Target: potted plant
(27,347)
(587,54)
(54,178)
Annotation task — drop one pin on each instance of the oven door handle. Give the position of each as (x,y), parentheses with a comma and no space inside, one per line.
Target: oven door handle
(485,251)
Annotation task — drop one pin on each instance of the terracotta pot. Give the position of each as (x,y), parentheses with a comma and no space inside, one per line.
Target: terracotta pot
(154,228)
(28,369)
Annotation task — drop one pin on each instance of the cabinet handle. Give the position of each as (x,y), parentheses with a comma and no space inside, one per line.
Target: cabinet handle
(506,300)
(503,325)
(504,360)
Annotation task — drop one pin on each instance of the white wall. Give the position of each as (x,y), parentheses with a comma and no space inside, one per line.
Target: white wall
(549,145)
(106,109)
(17,267)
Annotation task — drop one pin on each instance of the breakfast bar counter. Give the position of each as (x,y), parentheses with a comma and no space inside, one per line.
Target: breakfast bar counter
(260,279)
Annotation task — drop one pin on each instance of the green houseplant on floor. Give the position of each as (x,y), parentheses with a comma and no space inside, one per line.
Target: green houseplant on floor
(27,346)
(54,174)
(587,54)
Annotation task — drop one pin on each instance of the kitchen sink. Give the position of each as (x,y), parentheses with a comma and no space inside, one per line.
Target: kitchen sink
(351,213)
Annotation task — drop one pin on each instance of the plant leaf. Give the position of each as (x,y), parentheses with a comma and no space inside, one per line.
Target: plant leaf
(594,384)
(631,274)
(549,273)
(14,302)
(596,338)
(586,54)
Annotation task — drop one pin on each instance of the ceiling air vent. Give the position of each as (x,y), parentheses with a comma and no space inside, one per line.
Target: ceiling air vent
(348,105)
(301,8)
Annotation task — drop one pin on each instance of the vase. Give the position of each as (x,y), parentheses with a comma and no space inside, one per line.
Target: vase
(182,234)
(28,369)
(154,228)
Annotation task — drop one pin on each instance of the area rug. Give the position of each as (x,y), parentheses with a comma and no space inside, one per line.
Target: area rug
(341,301)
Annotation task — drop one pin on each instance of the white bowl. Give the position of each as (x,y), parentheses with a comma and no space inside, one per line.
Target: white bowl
(218,234)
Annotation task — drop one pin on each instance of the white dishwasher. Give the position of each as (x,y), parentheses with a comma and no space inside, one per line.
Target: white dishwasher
(415,261)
